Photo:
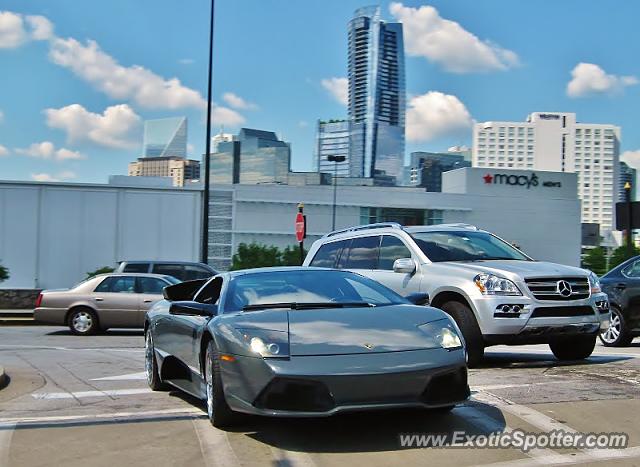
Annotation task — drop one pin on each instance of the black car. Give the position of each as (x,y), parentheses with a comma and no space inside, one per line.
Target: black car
(622,285)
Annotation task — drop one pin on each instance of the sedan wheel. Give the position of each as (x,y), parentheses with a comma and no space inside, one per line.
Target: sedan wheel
(151,364)
(83,322)
(616,334)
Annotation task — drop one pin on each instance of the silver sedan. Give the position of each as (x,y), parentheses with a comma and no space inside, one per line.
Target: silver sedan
(102,302)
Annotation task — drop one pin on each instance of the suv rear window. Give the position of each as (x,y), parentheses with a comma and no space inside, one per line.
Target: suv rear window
(363,253)
(327,254)
(136,267)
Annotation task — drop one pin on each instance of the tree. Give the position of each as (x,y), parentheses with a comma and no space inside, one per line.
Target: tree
(102,270)
(596,260)
(4,273)
(620,255)
(254,255)
(291,256)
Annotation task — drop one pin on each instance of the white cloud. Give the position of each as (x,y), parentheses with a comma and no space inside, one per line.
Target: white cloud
(447,43)
(338,88)
(434,114)
(47,150)
(136,83)
(224,116)
(632,158)
(46,177)
(3,151)
(16,29)
(238,102)
(589,78)
(1,116)
(115,127)
(186,61)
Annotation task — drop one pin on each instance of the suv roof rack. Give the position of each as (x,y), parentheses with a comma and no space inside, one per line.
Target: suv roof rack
(379,225)
(461,225)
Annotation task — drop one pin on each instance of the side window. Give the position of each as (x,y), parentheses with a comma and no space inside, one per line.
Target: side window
(136,267)
(344,254)
(175,270)
(151,285)
(118,284)
(211,292)
(327,254)
(633,270)
(363,253)
(195,272)
(391,249)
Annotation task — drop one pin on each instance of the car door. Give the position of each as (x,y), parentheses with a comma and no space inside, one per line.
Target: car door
(627,292)
(117,302)
(150,290)
(391,249)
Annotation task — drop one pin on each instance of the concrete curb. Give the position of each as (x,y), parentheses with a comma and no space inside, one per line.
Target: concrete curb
(4,379)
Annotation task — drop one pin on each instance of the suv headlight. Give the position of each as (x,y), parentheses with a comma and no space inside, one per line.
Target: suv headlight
(489,284)
(267,344)
(444,332)
(594,283)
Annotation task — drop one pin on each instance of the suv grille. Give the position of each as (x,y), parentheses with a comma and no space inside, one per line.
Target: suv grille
(559,288)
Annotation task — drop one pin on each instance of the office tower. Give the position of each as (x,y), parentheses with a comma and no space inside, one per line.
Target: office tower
(426,168)
(627,175)
(555,141)
(333,140)
(179,169)
(165,137)
(376,95)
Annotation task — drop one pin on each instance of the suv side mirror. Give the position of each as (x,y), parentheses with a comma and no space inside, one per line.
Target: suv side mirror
(193,309)
(418,298)
(404,266)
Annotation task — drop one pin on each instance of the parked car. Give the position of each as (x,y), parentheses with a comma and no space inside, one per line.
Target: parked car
(495,292)
(102,302)
(622,285)
(302,342)
(183,270)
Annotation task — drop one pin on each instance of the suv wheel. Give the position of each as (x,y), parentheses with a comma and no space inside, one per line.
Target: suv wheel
(573,348)
(616,335)
(466,321)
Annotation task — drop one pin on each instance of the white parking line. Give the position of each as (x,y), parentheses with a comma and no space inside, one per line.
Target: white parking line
(128,377)
(85,394)
(6,433)
(214,445)
(114,416)
(571,459)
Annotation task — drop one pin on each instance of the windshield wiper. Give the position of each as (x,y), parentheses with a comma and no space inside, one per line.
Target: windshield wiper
(306,305)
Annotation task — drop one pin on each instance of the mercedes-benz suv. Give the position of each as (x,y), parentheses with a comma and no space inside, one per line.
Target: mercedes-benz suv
(495,292)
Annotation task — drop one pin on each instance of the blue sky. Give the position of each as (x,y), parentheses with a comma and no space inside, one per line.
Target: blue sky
(78,78)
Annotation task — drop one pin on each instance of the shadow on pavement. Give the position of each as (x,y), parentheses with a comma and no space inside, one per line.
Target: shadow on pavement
(107,333)
(538,360)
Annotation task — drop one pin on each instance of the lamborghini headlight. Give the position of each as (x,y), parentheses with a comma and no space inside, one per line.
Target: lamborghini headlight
(444,332)
(267,344)
(489,284)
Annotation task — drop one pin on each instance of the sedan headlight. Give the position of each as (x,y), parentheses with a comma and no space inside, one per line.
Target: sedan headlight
(267,344)
(489,284)
(594,283)
(444,332)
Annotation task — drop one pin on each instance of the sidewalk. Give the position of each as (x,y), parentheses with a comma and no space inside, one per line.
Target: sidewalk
(16,317)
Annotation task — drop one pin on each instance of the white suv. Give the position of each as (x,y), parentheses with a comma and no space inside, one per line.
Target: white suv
(496,293)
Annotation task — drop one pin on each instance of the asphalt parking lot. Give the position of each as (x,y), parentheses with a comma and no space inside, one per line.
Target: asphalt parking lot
(77,401)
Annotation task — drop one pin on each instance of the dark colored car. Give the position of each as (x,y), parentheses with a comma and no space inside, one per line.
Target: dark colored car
(302,342)
(622,285)
(181,270)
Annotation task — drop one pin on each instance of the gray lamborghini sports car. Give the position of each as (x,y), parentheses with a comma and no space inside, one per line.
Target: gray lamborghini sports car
(302,342)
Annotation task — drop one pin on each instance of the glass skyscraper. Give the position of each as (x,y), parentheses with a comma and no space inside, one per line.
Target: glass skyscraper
(165,137)
(333,140)
(377,98)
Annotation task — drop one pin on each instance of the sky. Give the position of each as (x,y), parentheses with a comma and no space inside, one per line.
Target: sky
(77,79)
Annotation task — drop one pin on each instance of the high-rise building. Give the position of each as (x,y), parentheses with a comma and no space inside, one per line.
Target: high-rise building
(555,141)
(165,137)
(333,140)
(426,168)
(254,156)
(376,95)
(220,138)
(627,175)
(179,169)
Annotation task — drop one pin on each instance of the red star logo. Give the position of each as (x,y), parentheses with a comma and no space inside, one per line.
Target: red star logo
(488,178)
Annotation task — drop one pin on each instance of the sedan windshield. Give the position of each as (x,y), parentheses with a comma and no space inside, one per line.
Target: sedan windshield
(296,288)
(465,246)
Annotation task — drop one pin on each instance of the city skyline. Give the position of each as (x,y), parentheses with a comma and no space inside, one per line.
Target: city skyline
(84,126)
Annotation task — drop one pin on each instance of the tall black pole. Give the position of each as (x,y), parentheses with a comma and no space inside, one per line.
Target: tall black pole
(627,189)
(204,249)
(335,194)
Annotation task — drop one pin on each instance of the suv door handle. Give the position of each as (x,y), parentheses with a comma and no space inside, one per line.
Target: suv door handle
(99,299)
(147,300)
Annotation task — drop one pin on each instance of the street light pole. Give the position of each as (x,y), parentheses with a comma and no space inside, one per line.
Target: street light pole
(204,248)
(335,160)
(627,190)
